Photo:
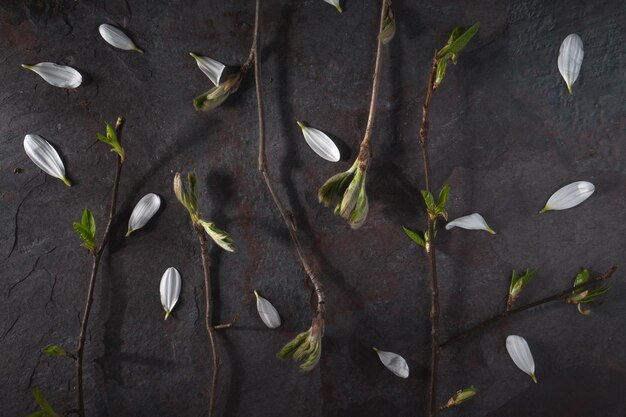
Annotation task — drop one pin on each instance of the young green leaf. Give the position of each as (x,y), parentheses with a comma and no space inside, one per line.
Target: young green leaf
(86,229)
(453,36)
(428,199)
(54,350)
(220,237)
(441,71)
(518,283)
(463,39)
(43,404)
(218,94)
(335,185)
(443,197)
(460,397)
(112,140)
(416,237)
(389,27)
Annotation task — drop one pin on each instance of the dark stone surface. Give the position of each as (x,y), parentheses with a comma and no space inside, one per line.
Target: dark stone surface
(505,134)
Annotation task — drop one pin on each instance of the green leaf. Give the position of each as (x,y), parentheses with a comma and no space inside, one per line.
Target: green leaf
(428,199)
(359,214)
(43,404)
(519,282)
(416,237)
(453,36)
(581,278)
(441,71)
(335,186)
(86,229)
(351,195)
(112,140)
(218,94)
(463,39)
(54,350)
(389,27)
(290,348)
(443,197)
(220,237)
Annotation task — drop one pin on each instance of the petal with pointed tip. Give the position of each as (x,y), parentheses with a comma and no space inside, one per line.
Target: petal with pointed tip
(570,59)
(43,154)
(170,289)
(143,212)
(569,196)
(470,222)
(210,67)
(57,75)
(116,37)
(268,313)
(394,362)
(520,353)
(320,143)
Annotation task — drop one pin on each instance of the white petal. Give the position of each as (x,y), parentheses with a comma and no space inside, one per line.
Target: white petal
(45,156)
(170,289)
(143,211)
(335,3)
(471,222)
(520,353)
(57,75)
(320,143)
(569,196)
(570,59)
(116,37)
(394,362)
(267,312)
(210,67)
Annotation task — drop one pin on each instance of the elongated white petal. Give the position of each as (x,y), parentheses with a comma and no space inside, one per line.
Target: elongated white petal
(569,196)
(170,290)
(471,222)
(570,59)
(320,143)
(143,211)
(116,37)
(394,362)
(45,157)
(57,75)
(210,67)
(335,3)
(267,312)
(520,353)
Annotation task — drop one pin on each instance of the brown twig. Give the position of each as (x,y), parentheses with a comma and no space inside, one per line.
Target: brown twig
(287,217)
(559,296)
(430,250)
(97,255)
(365,151)
(208,312)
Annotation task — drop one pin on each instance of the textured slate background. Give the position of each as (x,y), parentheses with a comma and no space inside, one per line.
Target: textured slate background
(505,135)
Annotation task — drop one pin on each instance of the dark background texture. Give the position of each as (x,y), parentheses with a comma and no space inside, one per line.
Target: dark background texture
(505,135)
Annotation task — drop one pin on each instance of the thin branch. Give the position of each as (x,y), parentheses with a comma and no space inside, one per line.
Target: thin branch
(208,320)
(559,296)
(96,254)
(430,250)
(262,166)
(365,152)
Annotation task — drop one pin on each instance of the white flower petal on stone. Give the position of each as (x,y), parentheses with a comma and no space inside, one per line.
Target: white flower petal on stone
(394,362)
(57,75)
(116,37)
(267,312)
(210,67)
(569,196)
(43,154)
(335,3)
(570,59)
(170,290)
(320,143)
(143,212)
(471,222)
(520,353)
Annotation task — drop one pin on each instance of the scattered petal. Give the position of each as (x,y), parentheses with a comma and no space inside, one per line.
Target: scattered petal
(143,212)
(170,290)
(394,362)
(335,3)
(320,143)
(45,157)
(116,37)
(520,353)
(570,59)
(471,222)
(210,67)
(57,75)
(267,312)
(569,196)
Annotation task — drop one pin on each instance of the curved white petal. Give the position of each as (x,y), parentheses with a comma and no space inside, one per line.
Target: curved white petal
(569,196)
(143,212)
(320,143)
(520,353)
(335,3)
(170,290)
(471,222)
(57,75)
(116,37)
(210,67)
(267,312)
(394,362)
(570,59)
(43,154)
